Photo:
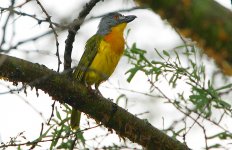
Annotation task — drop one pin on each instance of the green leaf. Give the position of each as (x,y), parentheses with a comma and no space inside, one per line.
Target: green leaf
(228,86)
(58,114)
(132,72)
(166,53)
(43,135)
(138,51)
(159,54)
(124,97)
(55,138)
(81,137)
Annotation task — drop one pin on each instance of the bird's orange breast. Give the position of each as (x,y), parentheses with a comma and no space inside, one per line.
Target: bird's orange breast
(108,55)
(115,38)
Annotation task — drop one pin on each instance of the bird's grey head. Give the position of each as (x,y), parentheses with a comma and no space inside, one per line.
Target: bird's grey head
(111,20)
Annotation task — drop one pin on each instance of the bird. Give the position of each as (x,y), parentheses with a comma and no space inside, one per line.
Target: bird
(102,53)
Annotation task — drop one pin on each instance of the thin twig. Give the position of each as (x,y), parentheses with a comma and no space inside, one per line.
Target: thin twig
(52,114)
(54,31)
(4,29)
(21,5)
(195,121)
(31,16)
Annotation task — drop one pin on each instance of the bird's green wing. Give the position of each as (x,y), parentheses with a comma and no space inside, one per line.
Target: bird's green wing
(91,49)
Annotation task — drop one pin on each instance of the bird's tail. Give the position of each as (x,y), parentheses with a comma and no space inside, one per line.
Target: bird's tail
(75,119)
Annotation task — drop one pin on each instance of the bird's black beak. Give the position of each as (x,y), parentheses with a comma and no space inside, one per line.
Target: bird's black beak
(129,18)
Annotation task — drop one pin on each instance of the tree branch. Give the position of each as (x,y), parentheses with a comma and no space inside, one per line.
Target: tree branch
(74,27)
(65,90)
(205,21)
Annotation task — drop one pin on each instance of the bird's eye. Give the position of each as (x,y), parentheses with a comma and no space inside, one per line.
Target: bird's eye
(116,17)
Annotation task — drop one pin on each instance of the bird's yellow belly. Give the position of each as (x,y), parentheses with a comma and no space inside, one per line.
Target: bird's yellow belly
(103,64)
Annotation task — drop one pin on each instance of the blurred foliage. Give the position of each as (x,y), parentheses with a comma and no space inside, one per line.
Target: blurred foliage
(203,94)
(198,20)
(206,100)
(200,98)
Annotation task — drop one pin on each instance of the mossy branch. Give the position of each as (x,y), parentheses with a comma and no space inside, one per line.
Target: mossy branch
(65,90)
